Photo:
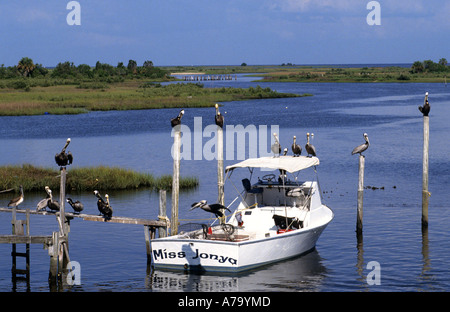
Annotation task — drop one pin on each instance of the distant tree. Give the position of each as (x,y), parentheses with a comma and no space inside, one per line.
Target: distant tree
(443,62)
(39,71)
(85,70)
(148,64)
(26,66)
(64,70)
(417,67)
(121,69)
(132,66)
(244,64)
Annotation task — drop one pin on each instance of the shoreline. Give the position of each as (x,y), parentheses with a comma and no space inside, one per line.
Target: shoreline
(187,73)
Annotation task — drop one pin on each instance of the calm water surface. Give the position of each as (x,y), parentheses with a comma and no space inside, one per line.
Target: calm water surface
(113,258)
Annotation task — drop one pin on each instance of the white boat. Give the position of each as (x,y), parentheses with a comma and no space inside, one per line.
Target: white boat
(277,218)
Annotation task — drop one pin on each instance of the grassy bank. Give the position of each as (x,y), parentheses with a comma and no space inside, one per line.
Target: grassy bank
(426,71)
(364,74)
(127,95)
(86,179)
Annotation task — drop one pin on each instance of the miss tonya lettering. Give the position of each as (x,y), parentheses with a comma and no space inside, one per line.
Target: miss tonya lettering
(163,254)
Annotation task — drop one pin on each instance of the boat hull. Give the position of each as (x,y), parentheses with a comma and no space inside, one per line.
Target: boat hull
(226,256)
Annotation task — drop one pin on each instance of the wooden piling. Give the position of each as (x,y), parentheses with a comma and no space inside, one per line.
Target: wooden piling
(175,179)
(62,200)
(162,212)
(359,214)
(425,192)
(220,181)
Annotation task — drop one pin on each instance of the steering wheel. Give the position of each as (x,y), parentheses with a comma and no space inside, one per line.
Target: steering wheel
(269,177)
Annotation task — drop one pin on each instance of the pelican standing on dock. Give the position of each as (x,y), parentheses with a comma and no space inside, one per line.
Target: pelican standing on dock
(214,208)
(43,203)
(296,149)
(15,202)
(177,120)
(63,159)
(219,117)
(52,204)
(103,206)
(276,147)
(361,148)
(309,147)
(77,205)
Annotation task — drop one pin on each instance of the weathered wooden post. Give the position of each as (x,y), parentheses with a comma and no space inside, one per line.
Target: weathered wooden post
(176,125)
(426,137)
(359,214)
(62,200)
(219,119)
(162,212)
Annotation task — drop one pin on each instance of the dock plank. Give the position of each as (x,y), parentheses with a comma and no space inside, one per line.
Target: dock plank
(89,217)
(24,239)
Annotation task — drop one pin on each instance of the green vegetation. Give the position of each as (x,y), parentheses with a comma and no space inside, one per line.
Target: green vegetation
(426,71)
(86,179)
(129,95)
(29,89)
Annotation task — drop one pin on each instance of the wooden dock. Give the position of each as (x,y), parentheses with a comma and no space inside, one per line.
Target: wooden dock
(57,243)
(90,217)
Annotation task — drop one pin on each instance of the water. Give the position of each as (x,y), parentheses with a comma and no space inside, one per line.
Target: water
(113,258)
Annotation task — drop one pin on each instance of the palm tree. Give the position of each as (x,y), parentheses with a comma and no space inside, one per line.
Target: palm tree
(26,66)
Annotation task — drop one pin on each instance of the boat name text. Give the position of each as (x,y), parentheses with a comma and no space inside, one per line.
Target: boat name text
(161,254)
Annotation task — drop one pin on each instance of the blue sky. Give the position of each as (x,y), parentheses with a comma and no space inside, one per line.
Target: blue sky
(224,32)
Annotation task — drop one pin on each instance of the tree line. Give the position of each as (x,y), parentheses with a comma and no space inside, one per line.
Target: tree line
(27,68)
(430,66)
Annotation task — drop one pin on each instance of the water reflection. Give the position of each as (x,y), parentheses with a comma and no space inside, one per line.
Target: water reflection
(304,273)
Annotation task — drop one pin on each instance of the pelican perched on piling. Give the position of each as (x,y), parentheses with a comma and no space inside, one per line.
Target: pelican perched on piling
(52,204)
(214,208)
(77,205)
(309,147)
(361,148)
(296,149)
(16,201)
(63,159)
(177,120)
(426,106)
(276,147)
(219,117)
(103,206)
(42,204)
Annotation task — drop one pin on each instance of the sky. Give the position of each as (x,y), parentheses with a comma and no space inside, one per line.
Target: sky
(224,32)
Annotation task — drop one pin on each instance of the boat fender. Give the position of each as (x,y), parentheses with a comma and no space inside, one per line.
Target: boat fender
(239,219)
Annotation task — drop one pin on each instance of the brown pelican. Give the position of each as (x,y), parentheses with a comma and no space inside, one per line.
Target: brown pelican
(52,204)
(214,208)
(309,147)
(177,120)
(276,147)
(77,205)
(17,200)
(103,206)
(285,151)
(219,117)
(426,106)
(361,148)
(296,149)
(63,159)
(42,204)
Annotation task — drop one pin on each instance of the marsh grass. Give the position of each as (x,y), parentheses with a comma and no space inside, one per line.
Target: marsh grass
(86,179)
(364,74)
(127,95)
